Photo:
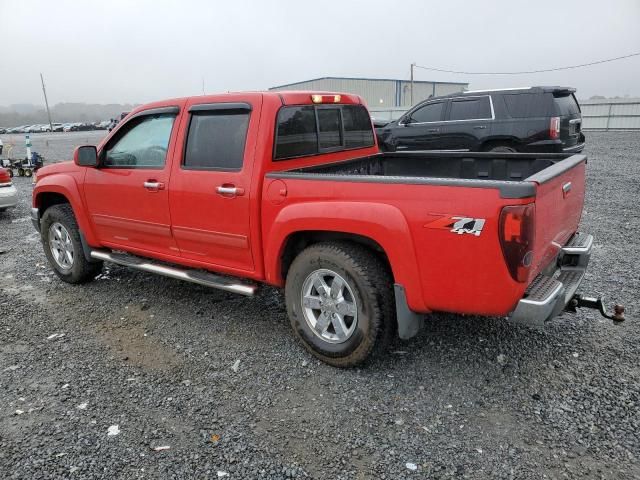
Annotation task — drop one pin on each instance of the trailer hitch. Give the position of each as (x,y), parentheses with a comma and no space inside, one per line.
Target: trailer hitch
(597,304)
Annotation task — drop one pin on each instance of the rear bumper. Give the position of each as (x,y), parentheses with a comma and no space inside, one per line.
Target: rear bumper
(575,149)
(549,293)
(551,146)
(8,197)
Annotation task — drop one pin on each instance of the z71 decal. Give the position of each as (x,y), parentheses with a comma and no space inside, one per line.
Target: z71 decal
(459,225)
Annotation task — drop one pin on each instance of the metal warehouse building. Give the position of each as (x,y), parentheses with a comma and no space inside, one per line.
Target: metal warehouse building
(379,92)
(611,114)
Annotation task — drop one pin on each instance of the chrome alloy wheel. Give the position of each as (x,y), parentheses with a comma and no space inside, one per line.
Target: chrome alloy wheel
(329,306)
(61,246)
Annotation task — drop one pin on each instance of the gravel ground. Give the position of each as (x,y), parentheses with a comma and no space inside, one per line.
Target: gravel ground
(468,397)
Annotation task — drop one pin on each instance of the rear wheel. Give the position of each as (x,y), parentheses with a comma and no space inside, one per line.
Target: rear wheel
(503,149)
(62,245)
(340,302)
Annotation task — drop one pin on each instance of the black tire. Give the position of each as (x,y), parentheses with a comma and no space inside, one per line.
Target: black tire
(371,284)
(503,149)
(81,270)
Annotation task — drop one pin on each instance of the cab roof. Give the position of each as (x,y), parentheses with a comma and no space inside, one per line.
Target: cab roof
(292,97)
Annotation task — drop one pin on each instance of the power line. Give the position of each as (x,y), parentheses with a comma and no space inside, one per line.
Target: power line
(531,71)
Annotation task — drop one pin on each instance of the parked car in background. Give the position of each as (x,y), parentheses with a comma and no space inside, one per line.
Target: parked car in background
(8,193)
(57,127)
(533,119)
(3,130)
(82,127)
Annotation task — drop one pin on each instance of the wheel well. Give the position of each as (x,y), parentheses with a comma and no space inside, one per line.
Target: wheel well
(49,199)
(507,142)
(298,241)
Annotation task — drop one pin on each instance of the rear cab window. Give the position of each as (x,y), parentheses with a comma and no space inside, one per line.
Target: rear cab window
(303,130)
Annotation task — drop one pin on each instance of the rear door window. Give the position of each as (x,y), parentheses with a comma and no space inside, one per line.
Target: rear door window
(216,140)
(472,108)
(566,104)
(431,112)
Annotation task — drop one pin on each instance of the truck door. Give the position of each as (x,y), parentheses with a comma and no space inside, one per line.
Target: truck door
(127,195)
(468,124)
(210,190)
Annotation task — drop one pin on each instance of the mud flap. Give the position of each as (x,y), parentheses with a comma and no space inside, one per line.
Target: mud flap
(409,322)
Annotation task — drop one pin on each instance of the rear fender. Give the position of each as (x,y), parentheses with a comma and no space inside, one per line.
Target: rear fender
(66,186)
(382,223)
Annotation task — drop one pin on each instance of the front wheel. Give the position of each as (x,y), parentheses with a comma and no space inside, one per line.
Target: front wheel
(62,245)
(340,302)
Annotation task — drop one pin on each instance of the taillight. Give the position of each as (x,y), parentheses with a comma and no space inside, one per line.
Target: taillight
(5,178)
(517,232)
(554,128)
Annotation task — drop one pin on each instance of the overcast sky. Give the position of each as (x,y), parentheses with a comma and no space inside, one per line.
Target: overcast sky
(113,51)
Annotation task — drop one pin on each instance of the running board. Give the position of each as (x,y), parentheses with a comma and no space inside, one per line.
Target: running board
(189,275)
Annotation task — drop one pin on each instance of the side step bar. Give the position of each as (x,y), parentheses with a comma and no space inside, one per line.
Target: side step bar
(188,275)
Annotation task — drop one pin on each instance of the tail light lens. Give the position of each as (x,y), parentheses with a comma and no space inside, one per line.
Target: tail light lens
(5,178)
(517,232)
(554,128)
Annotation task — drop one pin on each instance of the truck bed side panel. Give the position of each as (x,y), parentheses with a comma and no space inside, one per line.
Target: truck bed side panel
(457,271)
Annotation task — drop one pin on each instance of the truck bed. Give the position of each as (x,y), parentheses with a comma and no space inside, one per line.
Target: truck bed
(512,173)
(409,191)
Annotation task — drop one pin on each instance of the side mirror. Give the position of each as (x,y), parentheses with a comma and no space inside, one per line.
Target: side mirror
(86,156)
(406,121)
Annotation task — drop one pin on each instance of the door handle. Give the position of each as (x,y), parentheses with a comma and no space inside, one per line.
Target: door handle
(153,185)
(433,130)
(480,127)
(230,190)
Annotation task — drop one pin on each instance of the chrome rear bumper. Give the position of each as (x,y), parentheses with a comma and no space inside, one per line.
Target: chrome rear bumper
(8,195)
(548,295)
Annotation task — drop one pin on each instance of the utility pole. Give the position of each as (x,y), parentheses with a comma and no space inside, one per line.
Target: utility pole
(46,102)
(411,94)
(202,85)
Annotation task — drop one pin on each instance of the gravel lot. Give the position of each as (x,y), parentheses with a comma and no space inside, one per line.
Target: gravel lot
(468,398)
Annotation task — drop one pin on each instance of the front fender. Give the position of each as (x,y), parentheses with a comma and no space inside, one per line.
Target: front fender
(66,185)
(382,223)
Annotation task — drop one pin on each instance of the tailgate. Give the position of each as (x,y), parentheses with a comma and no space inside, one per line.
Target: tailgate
(559,201)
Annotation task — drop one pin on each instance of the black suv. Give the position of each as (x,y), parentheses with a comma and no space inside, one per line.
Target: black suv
(534,119)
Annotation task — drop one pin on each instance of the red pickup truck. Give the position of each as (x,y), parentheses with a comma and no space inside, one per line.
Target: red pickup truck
(290,189)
